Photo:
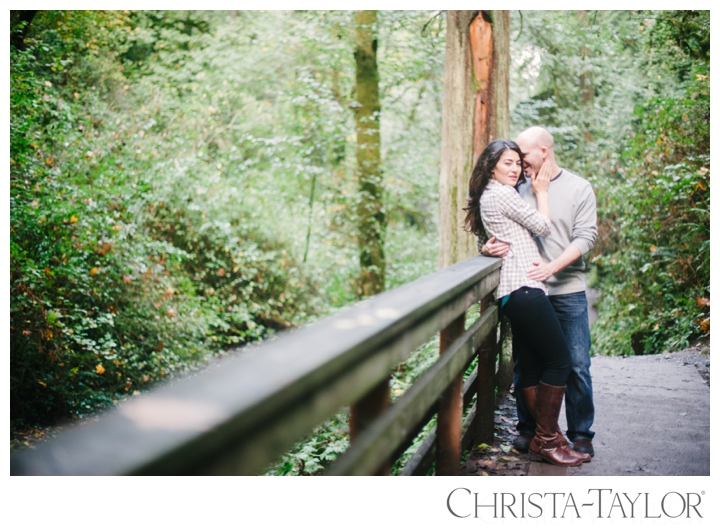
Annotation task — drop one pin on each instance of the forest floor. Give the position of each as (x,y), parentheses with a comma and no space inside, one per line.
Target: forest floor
(670,389)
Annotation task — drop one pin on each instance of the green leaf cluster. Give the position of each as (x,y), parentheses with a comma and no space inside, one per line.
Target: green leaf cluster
(655,262)
(183,182)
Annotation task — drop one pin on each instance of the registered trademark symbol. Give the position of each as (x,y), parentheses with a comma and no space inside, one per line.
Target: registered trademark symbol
(702,492)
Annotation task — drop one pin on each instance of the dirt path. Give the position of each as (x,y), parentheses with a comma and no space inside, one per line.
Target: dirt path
(653,416)
(652,419)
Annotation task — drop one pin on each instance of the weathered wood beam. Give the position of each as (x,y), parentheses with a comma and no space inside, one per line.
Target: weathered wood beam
(377,444)
(238,417)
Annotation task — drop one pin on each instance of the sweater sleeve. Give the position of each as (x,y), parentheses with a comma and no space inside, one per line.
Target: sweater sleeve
(584,231)
(524,214)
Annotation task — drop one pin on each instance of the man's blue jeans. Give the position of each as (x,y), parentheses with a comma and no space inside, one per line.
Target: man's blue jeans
(571,310)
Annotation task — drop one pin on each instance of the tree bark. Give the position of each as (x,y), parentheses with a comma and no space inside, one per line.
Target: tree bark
(371,214)
(499,111)
(475,111)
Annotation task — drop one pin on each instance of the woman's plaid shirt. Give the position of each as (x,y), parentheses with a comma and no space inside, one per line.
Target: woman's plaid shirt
(510,219)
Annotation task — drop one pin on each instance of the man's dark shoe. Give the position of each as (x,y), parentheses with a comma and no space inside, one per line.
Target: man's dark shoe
(522,442)
(583,445)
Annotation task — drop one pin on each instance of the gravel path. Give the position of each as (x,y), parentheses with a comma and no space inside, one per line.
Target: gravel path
(652,419)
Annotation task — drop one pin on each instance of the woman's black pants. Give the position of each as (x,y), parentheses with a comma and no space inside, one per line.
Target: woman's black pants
(538,339)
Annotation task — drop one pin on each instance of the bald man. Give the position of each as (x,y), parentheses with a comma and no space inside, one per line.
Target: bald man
(574,229)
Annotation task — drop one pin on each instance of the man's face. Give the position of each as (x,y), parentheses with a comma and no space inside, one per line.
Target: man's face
(534,156)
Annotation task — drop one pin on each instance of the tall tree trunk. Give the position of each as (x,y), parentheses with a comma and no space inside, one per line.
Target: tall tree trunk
(499,107)
(475,111)
(371,215)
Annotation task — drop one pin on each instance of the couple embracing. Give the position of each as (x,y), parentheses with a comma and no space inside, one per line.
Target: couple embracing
(540,219)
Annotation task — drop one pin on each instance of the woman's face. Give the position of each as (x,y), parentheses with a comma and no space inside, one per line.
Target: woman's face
(508,169)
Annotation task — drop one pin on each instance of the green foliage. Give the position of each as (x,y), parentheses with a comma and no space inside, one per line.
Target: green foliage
(118,275)
(317,451)
(182,182)
(655,261)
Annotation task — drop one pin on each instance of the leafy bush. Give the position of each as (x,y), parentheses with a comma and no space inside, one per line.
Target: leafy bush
(118,278)
(654,260)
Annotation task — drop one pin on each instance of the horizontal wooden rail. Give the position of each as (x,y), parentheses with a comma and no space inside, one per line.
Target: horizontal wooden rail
(238,417)
(380,440)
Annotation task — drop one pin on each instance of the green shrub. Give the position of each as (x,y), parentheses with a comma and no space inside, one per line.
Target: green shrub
(654,245)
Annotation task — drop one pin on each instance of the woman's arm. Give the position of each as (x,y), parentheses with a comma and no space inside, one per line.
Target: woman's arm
(519,211)
(540,184)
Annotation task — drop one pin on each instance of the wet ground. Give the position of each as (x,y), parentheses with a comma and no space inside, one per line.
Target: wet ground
(652,419)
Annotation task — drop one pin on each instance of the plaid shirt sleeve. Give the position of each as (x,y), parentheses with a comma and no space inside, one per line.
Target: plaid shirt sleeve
(515,208)
(510,219)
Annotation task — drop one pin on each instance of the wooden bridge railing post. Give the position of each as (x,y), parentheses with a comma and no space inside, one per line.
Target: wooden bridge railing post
(484,422)
(505,361)
(366,410)
(450,410)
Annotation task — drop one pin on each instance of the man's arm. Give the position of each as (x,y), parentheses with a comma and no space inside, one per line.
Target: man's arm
(543,271)
(583,238)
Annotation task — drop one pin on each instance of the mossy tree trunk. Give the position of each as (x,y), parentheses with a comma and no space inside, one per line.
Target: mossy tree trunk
(371,214)
(475,111)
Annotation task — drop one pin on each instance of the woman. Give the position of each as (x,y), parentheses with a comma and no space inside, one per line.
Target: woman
(496,209)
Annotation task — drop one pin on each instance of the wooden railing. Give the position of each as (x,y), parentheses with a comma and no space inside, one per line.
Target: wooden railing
(241,415)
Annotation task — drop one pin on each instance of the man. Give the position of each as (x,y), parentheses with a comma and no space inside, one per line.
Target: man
(574,229)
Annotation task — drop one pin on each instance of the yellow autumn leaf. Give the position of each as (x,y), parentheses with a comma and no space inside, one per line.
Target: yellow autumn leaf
(99,369)
(73,219)
(94,270)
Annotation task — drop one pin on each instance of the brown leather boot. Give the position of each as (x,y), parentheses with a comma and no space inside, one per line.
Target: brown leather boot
(531,400)
(549,443)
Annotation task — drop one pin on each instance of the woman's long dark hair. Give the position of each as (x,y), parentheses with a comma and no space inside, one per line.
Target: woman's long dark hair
(479,179)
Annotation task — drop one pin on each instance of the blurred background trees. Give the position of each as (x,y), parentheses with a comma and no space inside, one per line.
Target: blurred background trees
(183,182)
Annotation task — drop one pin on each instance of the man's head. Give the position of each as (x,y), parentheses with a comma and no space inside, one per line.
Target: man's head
(536,144)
